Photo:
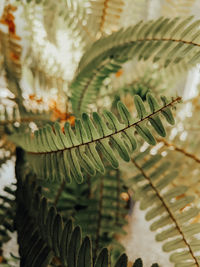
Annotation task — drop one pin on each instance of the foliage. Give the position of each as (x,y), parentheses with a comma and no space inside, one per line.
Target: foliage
(51,241)
(79,167)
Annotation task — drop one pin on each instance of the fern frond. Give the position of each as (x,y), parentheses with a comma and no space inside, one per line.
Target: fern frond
(7,215)
(71,16)
(179,149)
(105,16)
(68,154)
(11,50)
(43,238)
(169,207)
(67,198)
(168,40)
(104,214)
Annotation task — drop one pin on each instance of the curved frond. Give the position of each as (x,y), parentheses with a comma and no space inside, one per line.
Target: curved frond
(56,154)
(43,238)
(168,40)
(170,208)
(71,16)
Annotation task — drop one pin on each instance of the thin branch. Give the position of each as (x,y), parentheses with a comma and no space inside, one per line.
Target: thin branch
(118,197)
(59,192)
(105,13)
(167,209)
(25,119)
(99,217)
(181,150)
(103,17)
(110,135)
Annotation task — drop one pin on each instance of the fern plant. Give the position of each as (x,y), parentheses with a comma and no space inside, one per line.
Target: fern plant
(98,131)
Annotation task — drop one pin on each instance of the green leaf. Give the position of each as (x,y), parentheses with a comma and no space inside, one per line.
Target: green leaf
(125,114)
(65,239)
(152,102)
(122,261)
(167,112)
(138,263)
(144,132)
(85,254)
(140,107)
(74,245)
(101,125)
(157,125)
(57,233)
(102,259)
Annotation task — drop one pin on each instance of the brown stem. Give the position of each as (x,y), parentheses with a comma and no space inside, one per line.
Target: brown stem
(59,193)
(25,119)
(181,150)
(110,135)
(118,197)
(167,209)
(103,17)
(99,217)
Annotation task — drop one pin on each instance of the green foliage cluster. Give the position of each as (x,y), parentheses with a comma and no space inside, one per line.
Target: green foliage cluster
(68,207)
(44,238)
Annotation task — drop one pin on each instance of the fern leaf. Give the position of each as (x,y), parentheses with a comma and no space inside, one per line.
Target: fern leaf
(85,254)
(103,215)
(7,214)
(42,238)
(160,40)
(49,145)
(105,16)
(168,210)
(122,261)
(102,259)
(74,246)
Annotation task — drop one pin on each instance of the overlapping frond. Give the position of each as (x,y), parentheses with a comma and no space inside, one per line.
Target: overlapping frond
(11,50)
(105,211)
(44,239)
(58,154)
(67,198)
(70,15)
(168,40)
(170,208)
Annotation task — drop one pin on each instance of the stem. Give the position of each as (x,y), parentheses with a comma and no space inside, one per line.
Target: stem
(25,119)
(103,17)
(167,209)
(118,197)
(59,192)
(181,150)
(99,217)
